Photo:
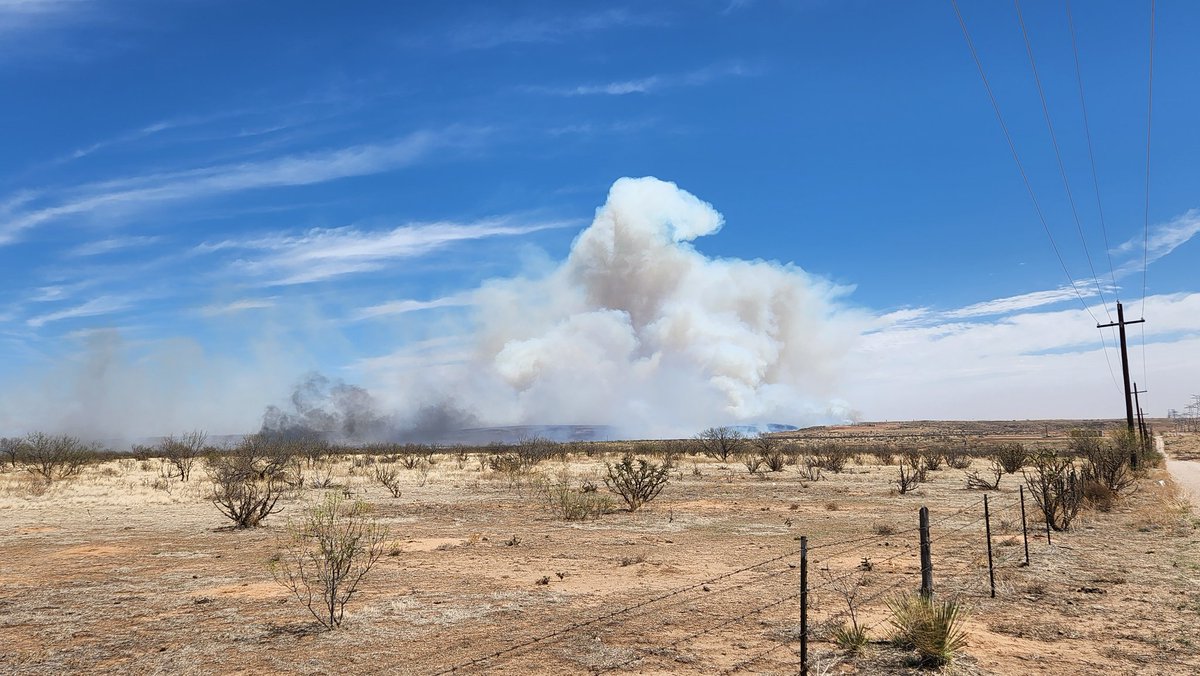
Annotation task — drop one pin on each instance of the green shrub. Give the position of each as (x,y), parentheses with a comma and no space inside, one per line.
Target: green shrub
(932,628)
(638,484)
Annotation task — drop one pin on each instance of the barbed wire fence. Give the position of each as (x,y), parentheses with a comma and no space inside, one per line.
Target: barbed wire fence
(816,589)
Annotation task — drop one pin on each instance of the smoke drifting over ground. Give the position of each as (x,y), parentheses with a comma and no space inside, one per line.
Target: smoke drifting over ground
(635,333)
(638,330)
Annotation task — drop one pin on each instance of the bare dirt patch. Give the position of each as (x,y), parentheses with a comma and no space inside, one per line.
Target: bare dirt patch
(108,574)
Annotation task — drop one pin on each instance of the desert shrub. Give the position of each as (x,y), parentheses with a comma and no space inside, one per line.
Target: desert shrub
(932,461)
(180,453)
(1099,496)
(571,504)
(1056,487)
(989,481)
(1106,464)
(880,528)
(721,443)
(812,468)
(957,458)
(883,454)
(638,484)
(54,457)
(910,455)
(389,477)
(850,636)
(249,480)
(832,457)
(753,462)
(10,451)
(935,629)
(909,478)
(326,556)
(534,450)
(775,461)
(1011,456)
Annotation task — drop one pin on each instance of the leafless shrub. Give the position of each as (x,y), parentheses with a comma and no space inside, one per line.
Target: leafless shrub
(977,482)
(832,457)
(1106,464)
(956,458)
(932,461)
(54,457)
(752,462)
(638,484)
(389,477)
(850,636)
(10,450)
(1056,488)
(883,455)
(571,504)
(248,481)
(180,453)
(327,555)
(909,478)
(721,443)
(910,455)
(812,468)
(1011,456)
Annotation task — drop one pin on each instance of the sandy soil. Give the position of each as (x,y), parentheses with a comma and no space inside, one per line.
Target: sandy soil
(111,573)
(1186,473)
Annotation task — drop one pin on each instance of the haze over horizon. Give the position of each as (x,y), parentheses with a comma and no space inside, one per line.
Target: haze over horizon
(657,216)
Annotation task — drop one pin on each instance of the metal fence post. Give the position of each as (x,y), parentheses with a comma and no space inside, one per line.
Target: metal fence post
(926,559)
(1024,526)
(803,605)
(987,524)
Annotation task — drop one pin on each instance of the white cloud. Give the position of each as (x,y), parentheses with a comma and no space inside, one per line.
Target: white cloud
(140,192)
(238,306)
(488,34)
(651,83)
(101,305)
(112,244)
(1162,240)
(399,307)
(1024,301)
(322,254)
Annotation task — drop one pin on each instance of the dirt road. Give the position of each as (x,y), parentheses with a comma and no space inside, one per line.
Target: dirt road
(1185,472)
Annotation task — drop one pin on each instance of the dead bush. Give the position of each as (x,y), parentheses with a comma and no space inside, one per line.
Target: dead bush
(909,478)
(986,482)
(832,458)
(883,455)
(54,457)
(180,453)
(326,556)
(932,461)
(1098,496)
(1056,487)
(812,468)
(389,477)
(249,480)
(1010,456)
(638,484)
(956,458)
(571,504)
(1106,464)
(721,443)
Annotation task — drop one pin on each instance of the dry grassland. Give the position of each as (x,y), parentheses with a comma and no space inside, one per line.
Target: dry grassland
(119,571)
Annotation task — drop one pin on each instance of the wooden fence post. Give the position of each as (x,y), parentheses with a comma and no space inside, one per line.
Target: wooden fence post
(1024,526)
(987,525)
(803,605)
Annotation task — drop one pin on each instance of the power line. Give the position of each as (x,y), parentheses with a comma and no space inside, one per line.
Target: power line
(1062,169)
(1017,158)
(1087,131)
(1149,120)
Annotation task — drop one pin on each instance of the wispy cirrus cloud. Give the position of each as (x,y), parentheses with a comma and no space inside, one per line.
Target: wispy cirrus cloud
(24,15)
(399,307)
(650,84)
(325,253)
(496,32)
(1023,301)
(101,305)
(238,306)
(111,244)
(132,194)
(1161,241)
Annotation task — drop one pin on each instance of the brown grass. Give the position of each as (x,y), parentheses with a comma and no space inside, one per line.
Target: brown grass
(110,574)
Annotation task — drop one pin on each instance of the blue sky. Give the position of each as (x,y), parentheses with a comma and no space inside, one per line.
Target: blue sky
(202,201)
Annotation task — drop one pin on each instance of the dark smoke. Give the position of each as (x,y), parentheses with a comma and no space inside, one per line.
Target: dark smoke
(340,412)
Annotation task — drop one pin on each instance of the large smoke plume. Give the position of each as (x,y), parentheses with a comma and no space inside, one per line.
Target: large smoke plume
(638,330)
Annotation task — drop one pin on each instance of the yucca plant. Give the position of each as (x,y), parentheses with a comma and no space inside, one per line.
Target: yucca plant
(850,637)
(932,628)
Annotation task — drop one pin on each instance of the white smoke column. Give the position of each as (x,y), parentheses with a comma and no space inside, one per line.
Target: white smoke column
(639,330)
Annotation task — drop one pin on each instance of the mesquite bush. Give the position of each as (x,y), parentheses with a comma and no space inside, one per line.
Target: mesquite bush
(638,484)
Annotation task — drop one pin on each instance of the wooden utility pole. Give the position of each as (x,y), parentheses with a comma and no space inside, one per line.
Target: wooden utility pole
(1140,419)
(1121,324)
